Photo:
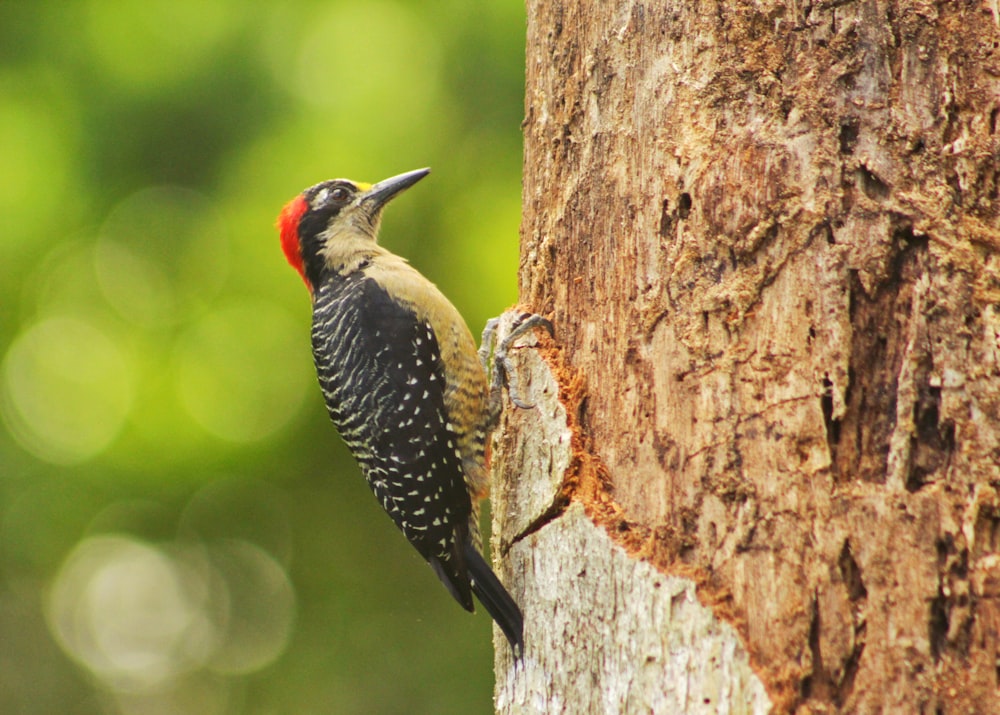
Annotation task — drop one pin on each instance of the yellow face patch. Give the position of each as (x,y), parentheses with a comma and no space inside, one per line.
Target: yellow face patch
(362,186)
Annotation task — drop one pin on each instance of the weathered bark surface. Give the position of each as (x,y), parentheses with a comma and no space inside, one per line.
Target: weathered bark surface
(767,234)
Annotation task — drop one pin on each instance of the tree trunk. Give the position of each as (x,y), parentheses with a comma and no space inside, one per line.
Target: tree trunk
(762,471)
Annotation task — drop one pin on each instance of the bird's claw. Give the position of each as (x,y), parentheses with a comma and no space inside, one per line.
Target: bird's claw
(502,373)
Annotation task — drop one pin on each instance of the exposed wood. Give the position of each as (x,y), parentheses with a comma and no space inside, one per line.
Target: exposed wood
(618,636)
(768,235)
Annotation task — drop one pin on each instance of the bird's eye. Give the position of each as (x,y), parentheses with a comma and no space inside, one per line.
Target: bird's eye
(339,194)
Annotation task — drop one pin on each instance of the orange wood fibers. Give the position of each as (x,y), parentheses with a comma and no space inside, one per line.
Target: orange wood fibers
(588,482)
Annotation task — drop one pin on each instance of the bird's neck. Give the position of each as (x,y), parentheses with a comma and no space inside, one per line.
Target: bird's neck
(351,250)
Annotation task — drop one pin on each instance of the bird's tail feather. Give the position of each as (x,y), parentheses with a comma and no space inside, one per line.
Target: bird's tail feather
(495,599)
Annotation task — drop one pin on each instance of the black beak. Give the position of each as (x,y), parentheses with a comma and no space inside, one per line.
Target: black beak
(384,191)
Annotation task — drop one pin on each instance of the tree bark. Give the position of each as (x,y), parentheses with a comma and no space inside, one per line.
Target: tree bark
(763,469)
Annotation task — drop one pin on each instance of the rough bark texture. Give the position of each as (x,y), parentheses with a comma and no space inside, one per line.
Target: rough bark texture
(767,234)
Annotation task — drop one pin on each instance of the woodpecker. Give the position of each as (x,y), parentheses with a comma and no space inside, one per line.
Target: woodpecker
(402,380)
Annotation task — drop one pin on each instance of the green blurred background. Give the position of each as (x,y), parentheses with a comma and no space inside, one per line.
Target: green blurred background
(181,530)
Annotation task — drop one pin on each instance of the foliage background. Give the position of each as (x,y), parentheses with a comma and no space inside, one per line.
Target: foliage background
(181,531)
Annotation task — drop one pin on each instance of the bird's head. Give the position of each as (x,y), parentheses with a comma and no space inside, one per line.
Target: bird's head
(336,212)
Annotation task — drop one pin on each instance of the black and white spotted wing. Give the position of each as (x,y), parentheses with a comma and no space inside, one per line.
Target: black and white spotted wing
(380,371)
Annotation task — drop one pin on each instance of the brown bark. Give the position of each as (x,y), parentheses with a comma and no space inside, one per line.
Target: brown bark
(767,235)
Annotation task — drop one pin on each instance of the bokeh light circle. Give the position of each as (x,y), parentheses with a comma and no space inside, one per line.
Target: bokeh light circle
(163,252)
(399,69)
(37,151)
(153,44)
(129,614)
(242,370)
(261,608)
(66,390)
(140,616)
